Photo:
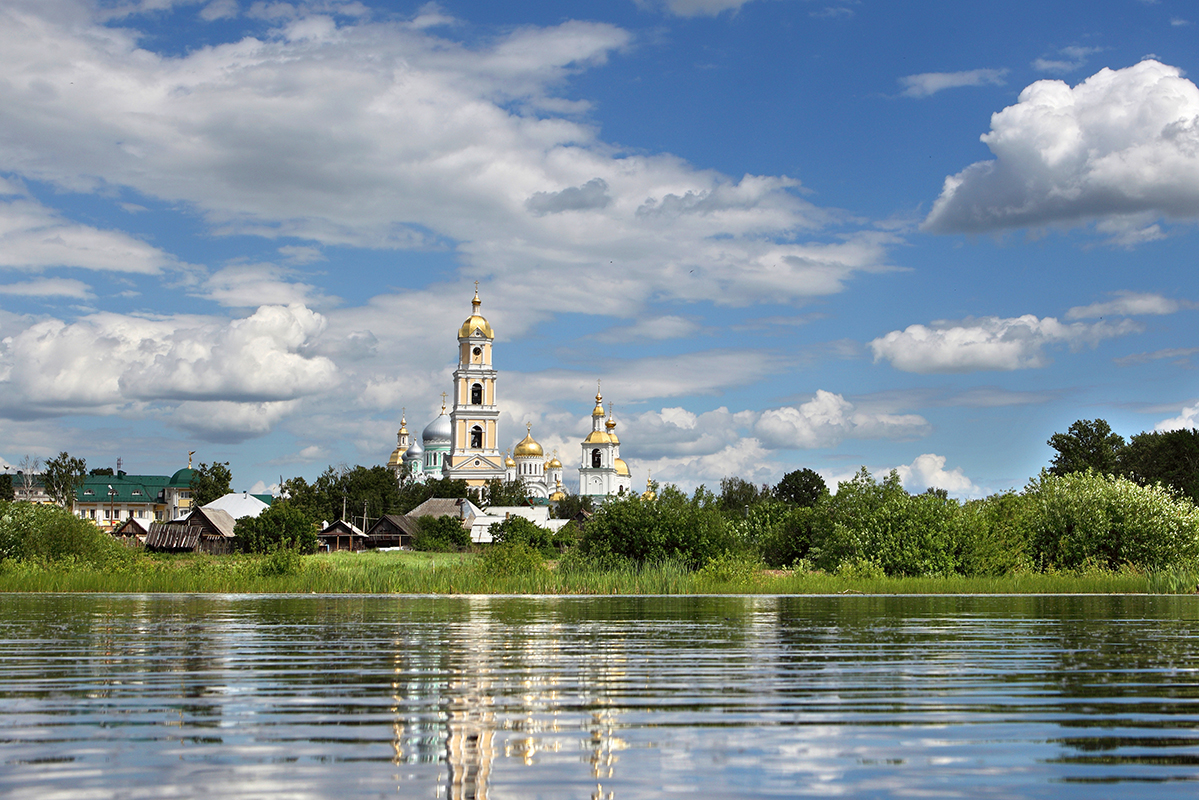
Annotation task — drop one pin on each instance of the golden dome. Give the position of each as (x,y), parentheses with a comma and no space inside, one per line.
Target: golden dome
(554,463)
(528,446)
(508,462)
(396,459)
(597,437)
(622,468)
(598,411)
(648,494)
(476,321)
(558,495)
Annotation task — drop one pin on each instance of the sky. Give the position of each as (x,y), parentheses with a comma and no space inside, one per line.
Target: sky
(781,233)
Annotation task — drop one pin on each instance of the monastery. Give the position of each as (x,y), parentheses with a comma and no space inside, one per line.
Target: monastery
(464,443)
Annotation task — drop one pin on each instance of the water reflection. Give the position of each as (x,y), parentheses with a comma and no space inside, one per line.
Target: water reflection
(617,698)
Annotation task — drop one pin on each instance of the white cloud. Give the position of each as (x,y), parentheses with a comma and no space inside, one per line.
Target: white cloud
(1189,418)
(928,471)
(828,419)
(987,343)
(49,287)
(252,285)
(175,366)
(219,9)
(654,328)
(1127,304)
(696,8)
(35,237)
(929,83)
(1075,57)
(1123,142)
(429,143)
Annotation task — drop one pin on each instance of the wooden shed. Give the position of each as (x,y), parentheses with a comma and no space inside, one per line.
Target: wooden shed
(342,535)
(391,530)
(204,530)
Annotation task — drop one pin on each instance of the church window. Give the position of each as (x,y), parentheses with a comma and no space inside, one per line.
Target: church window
(476,437)
(595,458)
(476,394)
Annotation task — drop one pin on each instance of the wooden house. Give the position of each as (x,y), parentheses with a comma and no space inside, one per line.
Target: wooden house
(204,530)
(342,535)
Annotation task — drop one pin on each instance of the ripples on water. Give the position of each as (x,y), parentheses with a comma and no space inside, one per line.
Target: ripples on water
(476,697)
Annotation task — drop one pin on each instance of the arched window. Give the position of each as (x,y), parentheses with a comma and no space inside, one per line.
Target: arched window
(476,437)
(476,394)
(596,461)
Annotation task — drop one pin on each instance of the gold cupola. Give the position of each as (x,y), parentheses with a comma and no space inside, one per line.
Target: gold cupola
(476,321)
(528,446)
(558,496)
(648,494)
(508,462)
(598,411)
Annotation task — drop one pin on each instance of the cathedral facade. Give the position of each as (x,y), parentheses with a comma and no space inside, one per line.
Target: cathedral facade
(464,442)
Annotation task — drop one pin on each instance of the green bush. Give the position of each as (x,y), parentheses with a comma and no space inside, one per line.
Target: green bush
(443,534)
(516,529)
(282,525)
(994,536)
(516,558)
(789,541)
(31,532)
(671,528)
(1085,517)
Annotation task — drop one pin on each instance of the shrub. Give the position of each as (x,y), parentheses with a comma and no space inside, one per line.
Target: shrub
(651,531)
(444,534)
(790,540)
(516,529)
(994,536)
(1087,517)
(46,534)
(517,558)
(282,525)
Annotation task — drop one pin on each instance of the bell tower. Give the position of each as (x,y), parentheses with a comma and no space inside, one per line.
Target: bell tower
(474,455)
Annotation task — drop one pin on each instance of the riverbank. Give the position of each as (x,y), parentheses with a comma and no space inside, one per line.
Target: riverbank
(446,573)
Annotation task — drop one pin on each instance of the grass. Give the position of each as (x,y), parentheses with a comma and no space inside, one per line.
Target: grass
(452,573)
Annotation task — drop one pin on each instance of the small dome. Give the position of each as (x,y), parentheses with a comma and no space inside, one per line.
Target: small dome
(597,437)
(476,321)
(183,477)
(554,463)
(598,411)
(528,447)
(558,496)
(648,494)
(415,452)
(439,431)
(622,468)
(508,462)
(396,458)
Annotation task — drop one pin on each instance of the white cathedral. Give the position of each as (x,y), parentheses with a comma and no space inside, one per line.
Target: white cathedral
(464,444)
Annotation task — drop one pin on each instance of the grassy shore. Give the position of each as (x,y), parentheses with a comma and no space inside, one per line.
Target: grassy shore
(442,573)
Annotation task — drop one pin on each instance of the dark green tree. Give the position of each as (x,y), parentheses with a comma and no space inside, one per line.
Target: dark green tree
(63,475)
(102,471)
(1088,444)
(1170,458)
(572,505)
(369,490)
(282,525)
(738,494)
(803,487)
(6,488)
(440,534)
(210,482)
(672,527)
(506,493)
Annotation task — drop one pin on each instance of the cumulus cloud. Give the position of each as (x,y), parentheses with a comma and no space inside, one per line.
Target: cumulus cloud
(928,471)
(1121,143)
(987,343)
(1127,304)
(929,83)
(427,143)
(828,419)
(1189,418)
(177,366)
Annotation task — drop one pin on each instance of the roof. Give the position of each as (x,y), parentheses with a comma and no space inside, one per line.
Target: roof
(442,507)
(185,534)
(393,522)
(341,528)
(239,504)
(183,477)
(120,488)
(266,498)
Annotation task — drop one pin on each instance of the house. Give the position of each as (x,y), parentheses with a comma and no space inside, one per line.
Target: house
(341,535)
(480,530)
(204,530)
(108,499)
(391,531)
(132,532)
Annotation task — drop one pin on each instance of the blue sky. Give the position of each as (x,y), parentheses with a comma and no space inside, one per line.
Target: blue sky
(782,233)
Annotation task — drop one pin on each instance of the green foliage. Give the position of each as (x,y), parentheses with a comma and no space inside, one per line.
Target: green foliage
(411,493)
(671,528)
(210,482)
(1170,457)
(736,570)
(63,475)
(443,534)
(517,529)
(6,488)
(803,487)
(859,569)
(506,493)
(737,496)
(515,558)
(994,536)
(1088,444)
(281,562)
(572,505)
(353,490)
(787,543)
(102,471)
(1085,517)
(31,532)
(281,526)
(882,523)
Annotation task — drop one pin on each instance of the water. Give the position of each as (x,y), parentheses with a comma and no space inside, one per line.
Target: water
(476,697)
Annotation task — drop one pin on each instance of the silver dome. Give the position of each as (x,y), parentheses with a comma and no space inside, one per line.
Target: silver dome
(438,431)
(415,452)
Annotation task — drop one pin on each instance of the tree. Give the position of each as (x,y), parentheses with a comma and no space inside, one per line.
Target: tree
(338,490)
(102,471)
(506,493)
(1088,444)
(1170,457)
(737,495)
(803,487)
(210,482)
(572,505)
(672,527)
(30,466)
(64,474)
(441,534)
(6,489)
(282,525)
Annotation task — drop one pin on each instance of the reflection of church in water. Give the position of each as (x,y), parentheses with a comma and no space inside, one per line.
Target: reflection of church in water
(464,443)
